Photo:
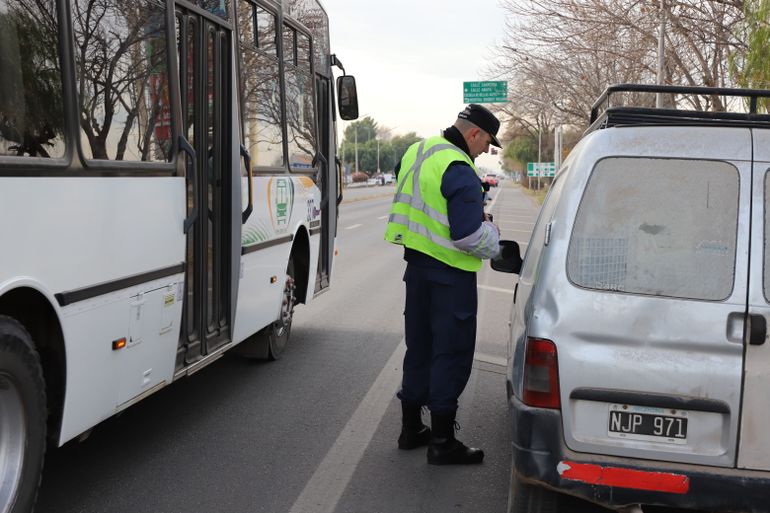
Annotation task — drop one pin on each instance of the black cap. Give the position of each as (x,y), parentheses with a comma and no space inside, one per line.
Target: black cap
(484,119)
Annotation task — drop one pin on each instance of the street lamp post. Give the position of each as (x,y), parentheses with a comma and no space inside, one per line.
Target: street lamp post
(378,145)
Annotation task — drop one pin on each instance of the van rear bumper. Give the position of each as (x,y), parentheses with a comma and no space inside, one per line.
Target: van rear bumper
(541,457)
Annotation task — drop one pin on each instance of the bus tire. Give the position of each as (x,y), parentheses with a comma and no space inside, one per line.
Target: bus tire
(270,342)
(277,334)
(22,403)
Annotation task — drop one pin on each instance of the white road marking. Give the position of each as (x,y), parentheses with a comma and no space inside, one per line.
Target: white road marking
(492,204)
(354,226)
(323,491)
(528,232)
(383,217)
(513,219)
(496,289)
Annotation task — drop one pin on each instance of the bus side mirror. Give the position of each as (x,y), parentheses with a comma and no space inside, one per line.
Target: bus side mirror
(347,97)
(509,259)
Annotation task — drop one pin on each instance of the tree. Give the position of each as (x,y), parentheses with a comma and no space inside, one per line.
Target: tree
(387,156)
(749,65)
(401,143)
(559,55)
(31,96)
(361,130)
(522,149)
(369,133)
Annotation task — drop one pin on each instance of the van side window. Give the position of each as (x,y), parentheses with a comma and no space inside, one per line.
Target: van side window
(660,227)
(31,98)
(535,248)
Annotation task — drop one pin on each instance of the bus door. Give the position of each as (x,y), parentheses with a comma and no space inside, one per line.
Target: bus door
(326,182)
(206,86)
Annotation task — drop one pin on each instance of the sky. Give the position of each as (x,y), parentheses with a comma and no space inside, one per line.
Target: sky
(411,57)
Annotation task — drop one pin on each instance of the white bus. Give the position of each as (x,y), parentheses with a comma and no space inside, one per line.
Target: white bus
(168,190)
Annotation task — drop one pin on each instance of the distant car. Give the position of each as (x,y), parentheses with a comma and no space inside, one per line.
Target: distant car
(491,180)
(388,178)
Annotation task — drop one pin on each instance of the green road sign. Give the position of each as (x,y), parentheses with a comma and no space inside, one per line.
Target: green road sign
(485,92)
(545,169)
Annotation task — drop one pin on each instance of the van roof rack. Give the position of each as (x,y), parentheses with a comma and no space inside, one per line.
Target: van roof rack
(604,116)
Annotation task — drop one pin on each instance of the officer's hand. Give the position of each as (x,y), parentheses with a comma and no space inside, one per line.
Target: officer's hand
(493,224)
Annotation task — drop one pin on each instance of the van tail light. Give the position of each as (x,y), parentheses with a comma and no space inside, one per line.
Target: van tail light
(541,374)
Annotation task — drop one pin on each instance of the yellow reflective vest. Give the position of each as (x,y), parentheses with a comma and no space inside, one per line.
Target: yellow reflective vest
(418,217)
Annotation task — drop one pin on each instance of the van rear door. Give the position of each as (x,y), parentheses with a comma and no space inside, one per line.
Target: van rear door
(754,445)
(649,331)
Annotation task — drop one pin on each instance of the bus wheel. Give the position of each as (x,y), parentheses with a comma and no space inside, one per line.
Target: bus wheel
(269,342)
(278,332)
(22,418)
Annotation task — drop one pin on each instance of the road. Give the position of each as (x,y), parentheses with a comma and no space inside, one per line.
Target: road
(314,432)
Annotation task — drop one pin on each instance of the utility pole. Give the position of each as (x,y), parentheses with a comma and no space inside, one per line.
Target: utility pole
(355,137)
(661,51)
(378,155)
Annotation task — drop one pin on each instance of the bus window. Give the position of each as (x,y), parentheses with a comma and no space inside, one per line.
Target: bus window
(125,112)
(303,51)
(300,116)
(246,25)
(219,8)
(266,31)
(31,98)
(260,80)
(289,45)
(311,15)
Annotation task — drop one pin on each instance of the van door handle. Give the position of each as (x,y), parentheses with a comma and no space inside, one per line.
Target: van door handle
(757,329)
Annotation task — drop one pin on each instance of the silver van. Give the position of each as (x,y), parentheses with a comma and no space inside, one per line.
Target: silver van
(638,370)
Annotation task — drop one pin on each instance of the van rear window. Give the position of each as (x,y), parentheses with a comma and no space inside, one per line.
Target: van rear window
(662,227)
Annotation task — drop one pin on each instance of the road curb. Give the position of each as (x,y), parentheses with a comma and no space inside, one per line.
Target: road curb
(362,198)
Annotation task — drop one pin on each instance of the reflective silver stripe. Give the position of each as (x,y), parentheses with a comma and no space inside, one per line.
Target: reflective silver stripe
(483,243)
(415,199)
(421,158)
(412,169)
(489,245)
(421,230)
(406,199)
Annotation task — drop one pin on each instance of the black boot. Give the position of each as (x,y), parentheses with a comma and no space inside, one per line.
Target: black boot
(414,433)
(444,448)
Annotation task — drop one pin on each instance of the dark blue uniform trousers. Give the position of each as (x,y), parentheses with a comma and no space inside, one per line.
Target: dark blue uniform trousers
(440,317)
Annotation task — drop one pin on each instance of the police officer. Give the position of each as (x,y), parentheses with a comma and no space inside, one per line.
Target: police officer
(437,215)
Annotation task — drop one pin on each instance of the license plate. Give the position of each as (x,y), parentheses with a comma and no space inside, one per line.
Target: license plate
(650,424)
